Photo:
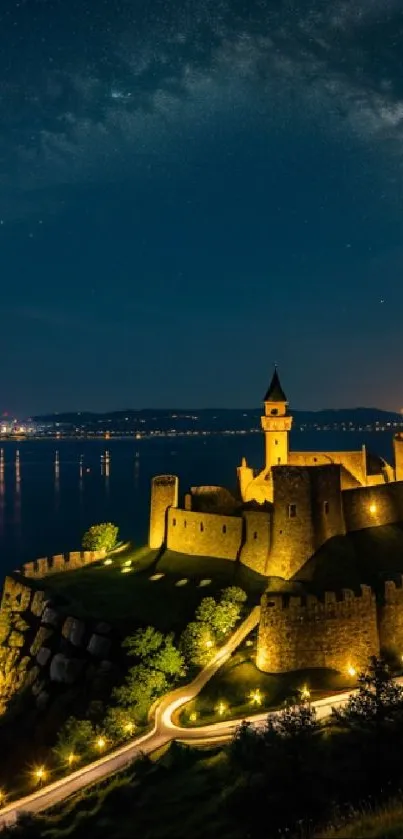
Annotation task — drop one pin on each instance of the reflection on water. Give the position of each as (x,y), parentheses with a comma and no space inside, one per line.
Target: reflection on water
(49,496)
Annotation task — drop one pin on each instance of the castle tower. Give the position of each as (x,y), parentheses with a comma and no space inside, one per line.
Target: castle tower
(276,424)
(164,494)
(398,447)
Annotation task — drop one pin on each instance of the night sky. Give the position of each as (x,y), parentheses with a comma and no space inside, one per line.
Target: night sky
(192,191)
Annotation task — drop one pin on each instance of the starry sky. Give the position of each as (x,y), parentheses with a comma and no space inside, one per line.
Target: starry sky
(192,190)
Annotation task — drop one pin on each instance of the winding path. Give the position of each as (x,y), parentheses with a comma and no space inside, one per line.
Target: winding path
(163,731)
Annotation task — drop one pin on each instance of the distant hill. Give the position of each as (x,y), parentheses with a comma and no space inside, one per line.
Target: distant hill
(211,419)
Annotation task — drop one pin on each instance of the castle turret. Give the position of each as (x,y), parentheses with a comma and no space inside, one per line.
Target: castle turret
(276,424)
(164,494)
(398,447)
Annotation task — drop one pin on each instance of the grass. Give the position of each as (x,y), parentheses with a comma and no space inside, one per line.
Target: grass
(133,599)
(239,677)
(379,823)
(178,798)
(367,556)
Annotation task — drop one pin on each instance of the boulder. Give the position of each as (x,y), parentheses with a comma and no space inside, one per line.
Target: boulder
(65,670)
(99,646)
(43,656)
(77,632)
(50,616)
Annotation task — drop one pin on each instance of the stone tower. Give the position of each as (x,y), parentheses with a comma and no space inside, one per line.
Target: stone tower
(398,447)
(164,494)
(276,424)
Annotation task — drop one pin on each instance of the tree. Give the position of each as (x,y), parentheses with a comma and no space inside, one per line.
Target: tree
(100,537)
(144,642)
(75,737)
(206,610)
(225,617)
(119,723)
(141,687)
(197,642)
(377,701)
(168,659)
(234,594)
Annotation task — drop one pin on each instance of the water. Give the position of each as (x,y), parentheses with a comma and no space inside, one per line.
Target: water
(48,501)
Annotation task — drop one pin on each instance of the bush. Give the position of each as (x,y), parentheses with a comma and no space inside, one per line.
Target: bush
(100,537)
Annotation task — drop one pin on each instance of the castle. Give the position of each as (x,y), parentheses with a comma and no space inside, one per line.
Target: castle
(278,518)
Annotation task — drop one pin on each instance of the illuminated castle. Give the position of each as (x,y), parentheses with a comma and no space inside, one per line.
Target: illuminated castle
(283,513)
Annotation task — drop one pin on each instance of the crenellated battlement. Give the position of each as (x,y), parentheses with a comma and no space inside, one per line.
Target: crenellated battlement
(59,563)
(311,602)
(338,630)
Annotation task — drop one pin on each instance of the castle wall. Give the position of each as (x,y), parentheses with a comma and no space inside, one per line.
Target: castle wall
(164,494)
(307,511)
(398,449)
(354,462)
(61,562)
(373,506)
(204,534)
(256,547)
(391,619)
(296,633)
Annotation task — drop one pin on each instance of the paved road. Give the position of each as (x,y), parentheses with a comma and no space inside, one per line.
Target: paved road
(163,731)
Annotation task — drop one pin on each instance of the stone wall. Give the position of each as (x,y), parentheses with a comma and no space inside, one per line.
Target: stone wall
(373,506)
(42,648)
(307,511)
(44,566)
(296,633)
(256,547)
(391,619)
(164,494)
(398,449)
(353,462)
(204,534)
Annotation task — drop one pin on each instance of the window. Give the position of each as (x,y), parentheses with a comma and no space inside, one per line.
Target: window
(292,511)
(255,535)
(174,522)
(224,528)
(279,460)
(185,523)
(274,412)
(201,527)
(276,442)
(326,508)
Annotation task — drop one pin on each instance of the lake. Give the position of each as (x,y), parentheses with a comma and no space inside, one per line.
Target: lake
(52,491)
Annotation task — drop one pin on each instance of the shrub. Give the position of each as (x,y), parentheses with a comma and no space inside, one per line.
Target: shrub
(100,537)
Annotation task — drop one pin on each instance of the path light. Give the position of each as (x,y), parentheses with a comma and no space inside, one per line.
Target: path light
(372,509)
(100,743)
(108,562)
(127,564)
(221,708)
(209,644)
(40,774)
(305,692)
(71,758)
(126,570)
(256,697)
(193,717)
(351,671)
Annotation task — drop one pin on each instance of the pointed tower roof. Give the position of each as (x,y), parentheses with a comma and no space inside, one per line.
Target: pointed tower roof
(275,392)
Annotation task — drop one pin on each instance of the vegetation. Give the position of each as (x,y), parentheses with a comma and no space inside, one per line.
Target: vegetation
(101,537)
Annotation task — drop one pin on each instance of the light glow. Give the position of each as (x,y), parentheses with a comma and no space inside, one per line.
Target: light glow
(71,758)
(108,562)
(40,774)
(372,509)
(100,743)
(129,727)
(305,692)
(351,671)
(222,707)
(193,717)
(256,697)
